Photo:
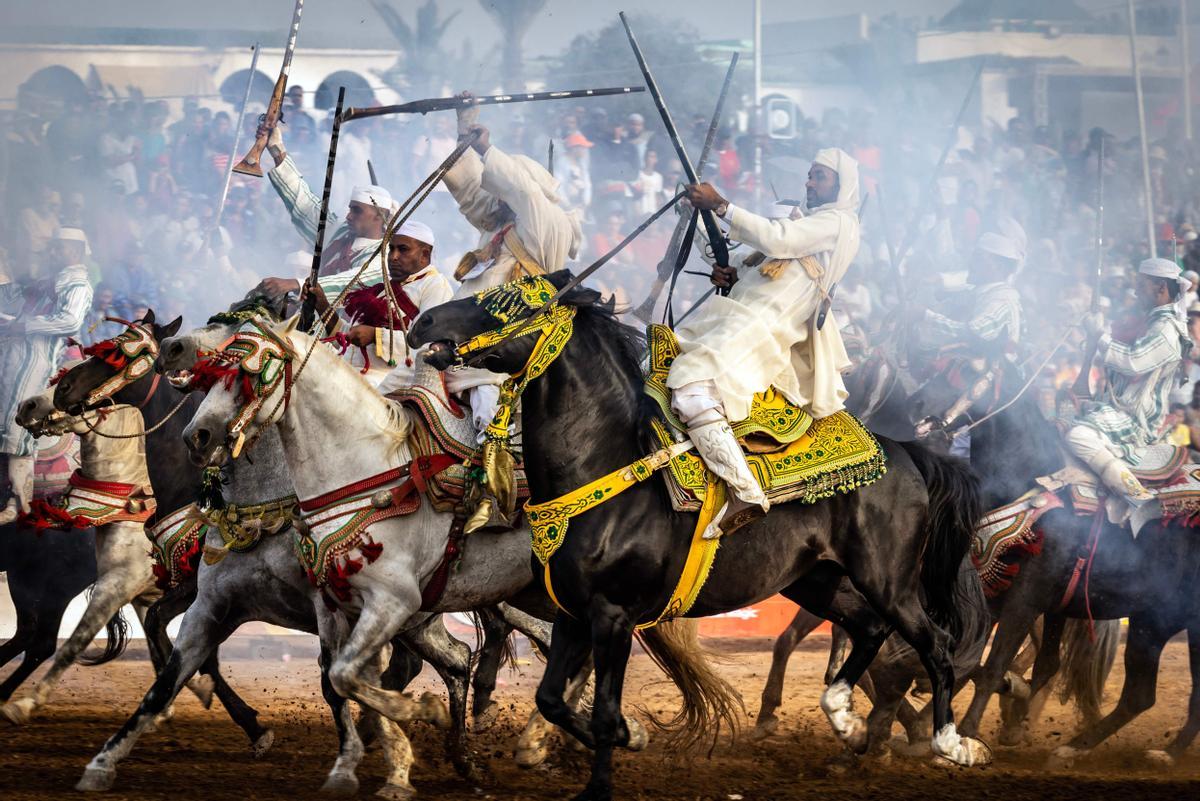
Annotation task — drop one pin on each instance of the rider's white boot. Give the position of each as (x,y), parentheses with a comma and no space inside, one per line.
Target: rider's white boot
(1117,476)
(20,473)
(722,454)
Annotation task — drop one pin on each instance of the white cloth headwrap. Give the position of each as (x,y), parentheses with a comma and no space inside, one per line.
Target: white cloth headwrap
(846,167)
(999,245)
(74,235)
(375,196)
(1165,268)
(418,231)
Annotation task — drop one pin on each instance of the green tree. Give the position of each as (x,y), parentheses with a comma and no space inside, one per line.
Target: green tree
(421,57)
(689,83)
(514,18)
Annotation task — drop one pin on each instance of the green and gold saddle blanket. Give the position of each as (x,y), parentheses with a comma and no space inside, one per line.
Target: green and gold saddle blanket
(793,456)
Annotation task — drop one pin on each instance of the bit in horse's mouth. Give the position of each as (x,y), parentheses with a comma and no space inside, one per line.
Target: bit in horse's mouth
(439,354)
(180,379)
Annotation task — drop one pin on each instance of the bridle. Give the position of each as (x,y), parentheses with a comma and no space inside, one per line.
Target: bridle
(262,360)
(132,354)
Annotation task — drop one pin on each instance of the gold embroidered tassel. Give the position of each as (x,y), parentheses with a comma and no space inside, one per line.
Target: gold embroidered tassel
(773,269)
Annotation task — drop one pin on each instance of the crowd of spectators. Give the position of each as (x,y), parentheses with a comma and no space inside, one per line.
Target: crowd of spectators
(144,184)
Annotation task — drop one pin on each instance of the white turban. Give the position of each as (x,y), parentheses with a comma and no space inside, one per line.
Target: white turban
(846,167)
(1165,268)
(74,235)
(375,196)
(418,231)
(1013,230)
(999,245)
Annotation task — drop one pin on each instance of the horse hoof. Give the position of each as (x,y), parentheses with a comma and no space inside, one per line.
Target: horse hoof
(263,744)
(1013,737)
(838,704)
(765,728)
(435,711)
(19,712)
(909,748)
(202,688)
(486,718)
(96,780)
(1161,758)
(340,784)
(639,738)
(530,756)
(396,792)
(952,747)
(1062,757)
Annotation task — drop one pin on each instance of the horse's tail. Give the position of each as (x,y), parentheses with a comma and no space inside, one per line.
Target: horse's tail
(1086,664)
(117,629)
(710,702)
(955,505)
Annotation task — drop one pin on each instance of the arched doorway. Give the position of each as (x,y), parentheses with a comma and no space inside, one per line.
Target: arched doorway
(233,88)
(51,88)
(358,91)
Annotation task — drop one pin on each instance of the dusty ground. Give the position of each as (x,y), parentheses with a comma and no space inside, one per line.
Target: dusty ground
(201,755)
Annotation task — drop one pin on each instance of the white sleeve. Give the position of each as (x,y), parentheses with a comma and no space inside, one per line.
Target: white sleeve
(783,239)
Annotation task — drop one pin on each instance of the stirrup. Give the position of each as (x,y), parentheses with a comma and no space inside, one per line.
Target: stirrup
(735,514)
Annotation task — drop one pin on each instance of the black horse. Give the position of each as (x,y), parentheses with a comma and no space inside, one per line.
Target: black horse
(45,571)
(900,540)
(1150,580)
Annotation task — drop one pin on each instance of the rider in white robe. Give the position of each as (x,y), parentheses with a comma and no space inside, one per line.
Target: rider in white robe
(523,230)
(764,333)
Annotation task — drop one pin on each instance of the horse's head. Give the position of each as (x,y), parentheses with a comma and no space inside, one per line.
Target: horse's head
(247,383)
(38,416)
(117,370)
(178,353)
(489,330)
(960,392)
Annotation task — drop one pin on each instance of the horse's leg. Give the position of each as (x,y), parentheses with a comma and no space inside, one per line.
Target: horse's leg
(570,648)
(42,641)
(1045,667)
(484,710)
(772,695)
(199,635)
(612,640)
(341,779)
(452,661)
(19,642)
(1143,649)
(171,605)
(1019,614)
(1191,727)
(398,754)
(382,616)
(533,746)
(890,681)
(124,574)
(245,716)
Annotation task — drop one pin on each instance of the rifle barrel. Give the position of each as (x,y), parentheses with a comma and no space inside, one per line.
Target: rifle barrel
(308,311)
(449,103)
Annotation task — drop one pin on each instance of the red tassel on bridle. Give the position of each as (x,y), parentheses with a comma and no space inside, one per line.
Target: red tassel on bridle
(108,352)
(207,373)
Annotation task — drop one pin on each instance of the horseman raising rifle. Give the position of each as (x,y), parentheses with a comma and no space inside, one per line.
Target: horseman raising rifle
(765,332)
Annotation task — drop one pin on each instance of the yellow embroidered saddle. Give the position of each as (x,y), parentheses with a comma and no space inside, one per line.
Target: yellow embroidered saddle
(793,456)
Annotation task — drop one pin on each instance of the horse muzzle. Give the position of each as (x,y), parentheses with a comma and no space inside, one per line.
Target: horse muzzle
(206,448)
(441,355)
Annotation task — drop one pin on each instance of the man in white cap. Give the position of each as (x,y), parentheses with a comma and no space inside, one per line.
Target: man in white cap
(34,327)
(1113,432)
(764,333)
(994,317)
(372,330)
(351,242)
(523,230)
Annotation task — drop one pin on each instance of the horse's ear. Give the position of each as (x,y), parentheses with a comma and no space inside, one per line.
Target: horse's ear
(289,325)
(149,318)
(559,278)
(168,330)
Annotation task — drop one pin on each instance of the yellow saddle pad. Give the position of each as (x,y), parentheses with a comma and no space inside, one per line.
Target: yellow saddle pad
(807,460)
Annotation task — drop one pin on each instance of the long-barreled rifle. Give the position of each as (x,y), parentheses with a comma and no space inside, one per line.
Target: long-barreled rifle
(249,165)
(308,311)
(452,103)
(1082,388)
(716,240)
(675,257)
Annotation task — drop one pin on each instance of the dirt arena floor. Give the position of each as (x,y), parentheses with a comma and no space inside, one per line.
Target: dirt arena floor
(201,755)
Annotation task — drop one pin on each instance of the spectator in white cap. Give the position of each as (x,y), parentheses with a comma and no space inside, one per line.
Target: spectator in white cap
(348,244)
(33,334)
(1114,432)
(372,327)
(993,322)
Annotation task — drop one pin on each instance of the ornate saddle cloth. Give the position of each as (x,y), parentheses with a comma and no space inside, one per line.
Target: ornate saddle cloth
(56,460)
(1004,535)
(444,427)
(793,456)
